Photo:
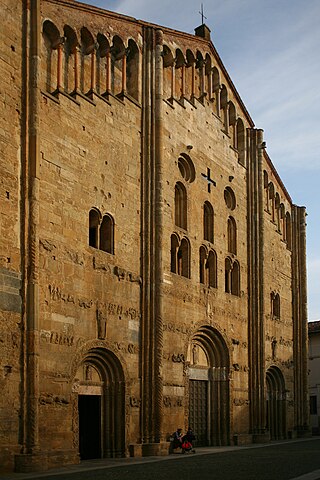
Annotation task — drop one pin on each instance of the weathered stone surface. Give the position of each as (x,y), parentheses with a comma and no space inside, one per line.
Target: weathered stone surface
(152,261)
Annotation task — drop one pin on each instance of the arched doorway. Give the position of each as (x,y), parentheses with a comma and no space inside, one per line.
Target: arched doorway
(276,404)
(209,415)
(101,405)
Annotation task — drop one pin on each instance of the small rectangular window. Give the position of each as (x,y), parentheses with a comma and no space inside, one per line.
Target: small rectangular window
(313,405)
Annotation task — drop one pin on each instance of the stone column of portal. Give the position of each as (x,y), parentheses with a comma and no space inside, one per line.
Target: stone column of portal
(300,319)
(31,459)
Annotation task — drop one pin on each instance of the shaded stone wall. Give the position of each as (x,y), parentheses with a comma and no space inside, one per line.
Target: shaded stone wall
(11,210)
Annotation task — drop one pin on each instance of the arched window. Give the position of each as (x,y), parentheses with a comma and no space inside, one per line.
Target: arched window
(94,222)
(288,231)
(224,107)
(277,211)
(88,57)
(179,75)
(71,67)
(232,124)
(168,73)
(216,88)
(53,56)
(202,264)
(174,253)
(189,74)
(208,217)
(118,62)
(241,141)
(184,258)
(106,234)
(199,77)
(283,220)
(101,231)
(133,70)
(266,189)
(232,236)
(271,201)
(208,72)
(212,269)
(180,202)
(103,65)
(275,305)
(235,279)
(228,269)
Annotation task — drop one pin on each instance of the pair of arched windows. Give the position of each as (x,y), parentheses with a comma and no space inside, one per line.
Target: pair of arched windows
(180,256)
(232,276)
(101,231)
(208,267)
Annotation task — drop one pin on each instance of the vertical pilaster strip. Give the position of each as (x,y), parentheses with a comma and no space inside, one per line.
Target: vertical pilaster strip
(300,319)
(159,205)
(152,232)
(261,241)
(146,241)
(32,308)
(256,282)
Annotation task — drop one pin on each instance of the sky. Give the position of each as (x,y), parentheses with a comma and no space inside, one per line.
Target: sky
(271,49)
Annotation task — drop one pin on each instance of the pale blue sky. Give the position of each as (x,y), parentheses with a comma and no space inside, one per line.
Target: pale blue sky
(271,49)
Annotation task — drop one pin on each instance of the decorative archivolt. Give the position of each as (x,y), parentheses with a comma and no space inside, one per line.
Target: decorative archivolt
(88,64)
(277,210)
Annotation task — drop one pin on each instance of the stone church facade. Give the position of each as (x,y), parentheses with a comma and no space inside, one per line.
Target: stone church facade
(153,264)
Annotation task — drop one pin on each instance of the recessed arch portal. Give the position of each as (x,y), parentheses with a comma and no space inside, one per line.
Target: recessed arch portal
(101,405)
(276,404)
(209,408)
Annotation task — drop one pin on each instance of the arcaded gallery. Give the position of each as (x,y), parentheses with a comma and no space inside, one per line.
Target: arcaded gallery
(153,264)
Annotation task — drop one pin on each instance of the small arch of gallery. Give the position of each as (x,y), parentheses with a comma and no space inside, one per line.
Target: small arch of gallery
(279,215)
(180,245)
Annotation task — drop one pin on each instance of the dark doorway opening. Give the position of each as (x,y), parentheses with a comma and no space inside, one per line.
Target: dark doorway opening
(198,410)
(89,426)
